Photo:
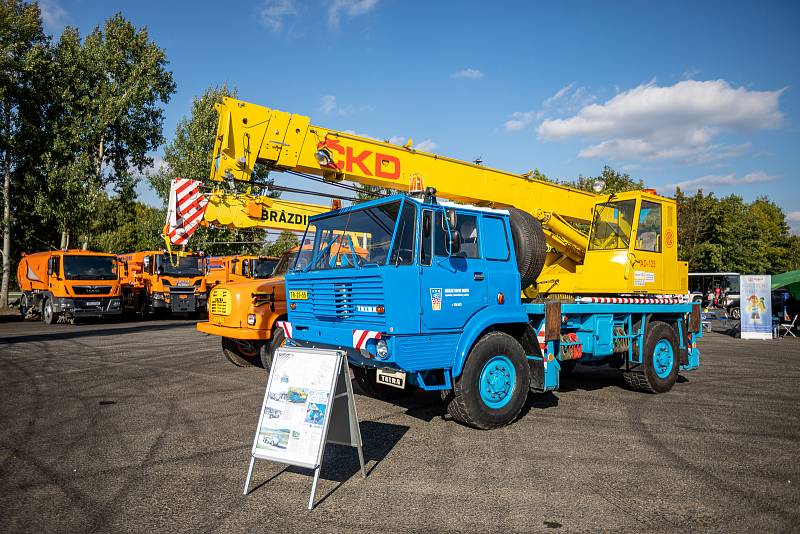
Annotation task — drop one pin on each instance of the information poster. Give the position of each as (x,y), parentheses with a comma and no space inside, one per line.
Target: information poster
(296,406)
(756,306)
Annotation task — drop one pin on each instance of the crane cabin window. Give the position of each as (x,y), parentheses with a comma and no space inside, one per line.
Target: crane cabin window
(648,233)
(612,225)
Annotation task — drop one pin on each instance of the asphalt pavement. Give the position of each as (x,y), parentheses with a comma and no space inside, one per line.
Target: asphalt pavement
(146,427)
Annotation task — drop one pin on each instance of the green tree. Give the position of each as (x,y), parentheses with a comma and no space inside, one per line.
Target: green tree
(285,241)
(24,61)
(110,90)
(615,182)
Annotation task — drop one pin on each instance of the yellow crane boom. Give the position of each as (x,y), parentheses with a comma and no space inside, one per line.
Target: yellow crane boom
(614,259)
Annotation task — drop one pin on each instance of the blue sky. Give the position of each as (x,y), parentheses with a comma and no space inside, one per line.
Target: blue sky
(702,94)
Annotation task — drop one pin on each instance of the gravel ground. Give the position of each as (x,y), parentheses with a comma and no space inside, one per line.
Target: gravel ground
(145,427)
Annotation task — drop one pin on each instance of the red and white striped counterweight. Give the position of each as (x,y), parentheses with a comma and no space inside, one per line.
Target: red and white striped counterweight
(185,209)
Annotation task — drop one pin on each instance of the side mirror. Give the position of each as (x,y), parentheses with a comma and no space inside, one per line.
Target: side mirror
(455,242)
(451,218)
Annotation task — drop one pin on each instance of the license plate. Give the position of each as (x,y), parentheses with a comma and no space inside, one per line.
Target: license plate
(93,303)
(184,296)
(298,295)
(390,377)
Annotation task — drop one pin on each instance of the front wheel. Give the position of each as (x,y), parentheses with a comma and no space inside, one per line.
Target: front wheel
(241,353)
(660,360)
(268,349)
(48,315)
(493,387)
(735,313)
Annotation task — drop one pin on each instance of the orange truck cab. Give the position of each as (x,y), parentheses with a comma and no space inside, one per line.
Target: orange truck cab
(223,269)
(244,313)
(69,284)
(155,281)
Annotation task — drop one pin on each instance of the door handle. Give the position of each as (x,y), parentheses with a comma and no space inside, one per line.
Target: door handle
(478,277)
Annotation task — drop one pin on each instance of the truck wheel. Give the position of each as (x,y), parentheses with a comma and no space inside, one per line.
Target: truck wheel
(493,387)
(529,244)
(736,313)
(268,349)
(567,366)
(144,309)
(241,353)
(48,315)
(365,378)
(660,360)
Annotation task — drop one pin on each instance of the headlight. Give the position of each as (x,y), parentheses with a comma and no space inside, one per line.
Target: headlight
(115,303)
(251,319)
(382,349)
(158,296)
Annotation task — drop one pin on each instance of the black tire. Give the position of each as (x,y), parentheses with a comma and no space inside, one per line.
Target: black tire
(242,353)
(23,305)
(529,244)
(653,376)
(567,367)
(143,308)
(48,315)
(365,378)
(268,349)
(735,313)
(466,403)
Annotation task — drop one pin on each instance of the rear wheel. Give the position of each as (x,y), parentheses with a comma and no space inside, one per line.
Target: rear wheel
(735,313)
(23,305)
(493,387)
(241,353)
(567,366)
(659,368)
(48,315)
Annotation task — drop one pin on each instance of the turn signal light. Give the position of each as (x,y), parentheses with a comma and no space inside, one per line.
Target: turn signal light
(501,298)
(293,305)
(380,309)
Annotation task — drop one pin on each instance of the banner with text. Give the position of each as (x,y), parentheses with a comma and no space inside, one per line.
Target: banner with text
(756,306)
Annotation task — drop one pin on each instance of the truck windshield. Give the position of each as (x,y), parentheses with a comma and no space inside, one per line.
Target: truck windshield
(90,268)
(263,268)
(357,238)
(611,227)
(176,266)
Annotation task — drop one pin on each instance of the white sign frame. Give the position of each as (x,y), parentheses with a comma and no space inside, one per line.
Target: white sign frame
(760,287)
(338,390)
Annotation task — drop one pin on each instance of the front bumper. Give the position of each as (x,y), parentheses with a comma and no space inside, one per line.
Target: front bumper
(233,332)
(88,307)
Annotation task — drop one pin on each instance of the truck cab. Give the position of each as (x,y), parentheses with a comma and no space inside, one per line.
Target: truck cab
(238,268)
(157,281)
(69,284)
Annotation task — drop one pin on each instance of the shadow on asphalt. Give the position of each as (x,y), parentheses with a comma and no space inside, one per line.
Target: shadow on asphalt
(101,330)
(340,463)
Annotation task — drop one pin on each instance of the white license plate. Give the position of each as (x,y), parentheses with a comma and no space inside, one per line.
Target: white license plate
(390,377)
(93,303)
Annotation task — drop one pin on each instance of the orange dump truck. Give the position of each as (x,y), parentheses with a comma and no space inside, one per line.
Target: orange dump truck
(69,284)
(156,281)
(244,314)
(223,269)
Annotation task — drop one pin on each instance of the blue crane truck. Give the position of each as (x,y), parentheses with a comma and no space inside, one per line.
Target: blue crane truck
(426,294)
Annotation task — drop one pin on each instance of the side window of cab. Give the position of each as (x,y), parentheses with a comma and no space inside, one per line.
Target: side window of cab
(648,234)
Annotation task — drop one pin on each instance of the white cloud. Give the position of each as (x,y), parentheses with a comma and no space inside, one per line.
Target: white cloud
(727,180)
(273,13)
(426,145)
(690,73)
(467,74)
(793,216)
(54,16)
(565,100)
(677,122)
(348,8)
(329,106)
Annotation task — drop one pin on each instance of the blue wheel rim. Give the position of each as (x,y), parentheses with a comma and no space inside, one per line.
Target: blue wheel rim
(497,382)
(663,358)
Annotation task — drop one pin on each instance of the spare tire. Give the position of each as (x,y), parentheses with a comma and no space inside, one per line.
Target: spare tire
(530,245)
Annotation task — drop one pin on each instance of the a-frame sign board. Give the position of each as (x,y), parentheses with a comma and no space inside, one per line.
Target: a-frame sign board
(308,402)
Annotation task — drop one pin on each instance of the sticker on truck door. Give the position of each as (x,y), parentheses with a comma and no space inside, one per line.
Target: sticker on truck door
(436,298)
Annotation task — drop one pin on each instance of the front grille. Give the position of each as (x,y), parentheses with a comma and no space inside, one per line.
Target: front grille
(345,299)
(91,290)
(220,302)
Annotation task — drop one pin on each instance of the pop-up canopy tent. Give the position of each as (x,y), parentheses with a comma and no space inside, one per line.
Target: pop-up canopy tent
(790,281)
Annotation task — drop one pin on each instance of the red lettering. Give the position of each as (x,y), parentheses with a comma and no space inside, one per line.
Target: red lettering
(380,160)
(358,160)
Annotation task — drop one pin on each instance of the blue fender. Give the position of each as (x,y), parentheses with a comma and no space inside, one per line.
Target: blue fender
(479,322)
